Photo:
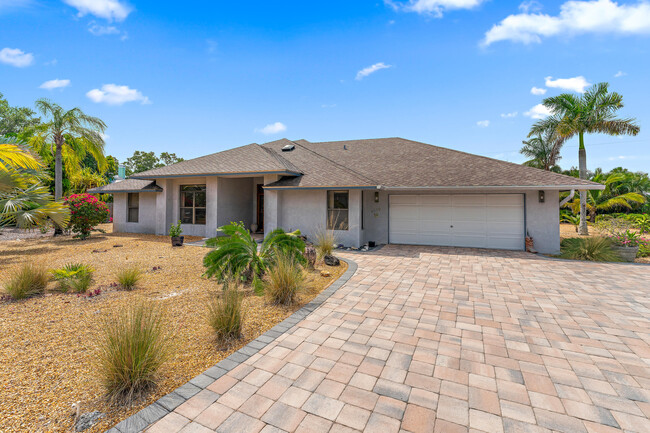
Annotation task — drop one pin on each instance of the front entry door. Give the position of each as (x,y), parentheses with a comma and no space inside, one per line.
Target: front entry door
(260,208)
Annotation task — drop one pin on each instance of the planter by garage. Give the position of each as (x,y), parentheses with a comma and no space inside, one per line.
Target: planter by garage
(627,254)
(177,241)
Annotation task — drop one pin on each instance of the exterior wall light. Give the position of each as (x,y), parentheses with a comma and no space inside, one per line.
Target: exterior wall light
(376,196)
(540,195)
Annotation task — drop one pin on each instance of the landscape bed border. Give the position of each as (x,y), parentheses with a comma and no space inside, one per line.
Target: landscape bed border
(166,404)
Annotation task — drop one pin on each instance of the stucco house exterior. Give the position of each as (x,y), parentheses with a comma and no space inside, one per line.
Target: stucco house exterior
(388,190)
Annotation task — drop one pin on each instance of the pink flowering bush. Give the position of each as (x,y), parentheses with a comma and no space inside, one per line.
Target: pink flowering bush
(86,212)
(627,239)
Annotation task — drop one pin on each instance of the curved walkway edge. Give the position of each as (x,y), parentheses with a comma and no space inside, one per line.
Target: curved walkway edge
(166,404)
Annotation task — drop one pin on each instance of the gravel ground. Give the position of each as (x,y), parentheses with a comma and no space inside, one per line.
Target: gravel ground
(14,234)
(47,342)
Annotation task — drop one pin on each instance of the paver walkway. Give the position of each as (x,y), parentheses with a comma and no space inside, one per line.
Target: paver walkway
(425,339)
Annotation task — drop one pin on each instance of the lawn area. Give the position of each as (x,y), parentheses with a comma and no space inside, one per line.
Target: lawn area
(47,342)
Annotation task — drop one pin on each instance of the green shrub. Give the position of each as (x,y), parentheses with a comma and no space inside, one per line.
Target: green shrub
(225,311)
(129,277)
(641,222)
(284,279)
(237,253)
(175,230)
(324,241)
(132,346)
(75,277)
(29,280)
(597,249)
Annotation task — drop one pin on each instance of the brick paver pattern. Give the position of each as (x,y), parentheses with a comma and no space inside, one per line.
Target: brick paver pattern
(425,339)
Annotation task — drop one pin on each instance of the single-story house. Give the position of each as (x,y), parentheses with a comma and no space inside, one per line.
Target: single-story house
(388,190)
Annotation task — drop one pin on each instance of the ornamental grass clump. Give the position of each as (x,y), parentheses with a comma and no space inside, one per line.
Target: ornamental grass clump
(132,347)
(324,241)
(29,280)
(226,311)
(86,212)
(596,249)
(284,279)
(129,277)
(73,277)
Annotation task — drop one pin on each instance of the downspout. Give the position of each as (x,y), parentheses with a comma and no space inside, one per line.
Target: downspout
(568,198)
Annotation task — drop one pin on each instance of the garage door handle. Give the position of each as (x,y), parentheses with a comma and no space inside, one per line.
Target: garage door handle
(451,227)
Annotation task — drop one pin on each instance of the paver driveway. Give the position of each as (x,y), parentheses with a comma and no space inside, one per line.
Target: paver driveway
(426,339)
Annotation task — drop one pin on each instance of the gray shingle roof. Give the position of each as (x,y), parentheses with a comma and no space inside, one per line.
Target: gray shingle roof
(251,158)
(401,163)
(127,185)
(386,162)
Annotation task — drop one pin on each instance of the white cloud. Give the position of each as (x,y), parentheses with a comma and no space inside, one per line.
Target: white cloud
(55,84)
(433,7)
(16,57)
(371,70)
(530,6)
(575,17)
(576,84)
(273,128)
(112,94)
(537,91)
(99,30)
(509,115)
(6,5)
(328,105)
(539,111)
(107,9)
(620,74)
(483,123)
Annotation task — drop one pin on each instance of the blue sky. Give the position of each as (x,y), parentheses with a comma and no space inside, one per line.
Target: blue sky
(199,77)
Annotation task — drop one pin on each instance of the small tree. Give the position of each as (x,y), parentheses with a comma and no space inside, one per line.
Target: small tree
(86,212)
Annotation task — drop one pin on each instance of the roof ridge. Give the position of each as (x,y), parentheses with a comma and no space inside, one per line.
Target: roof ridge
(373,181)
(285,163)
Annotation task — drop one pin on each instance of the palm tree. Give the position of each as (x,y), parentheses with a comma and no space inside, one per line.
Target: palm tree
(24,201)
(72,129)
(543,149)
(593,112)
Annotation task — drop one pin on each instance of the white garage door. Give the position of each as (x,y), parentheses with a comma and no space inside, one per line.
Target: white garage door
(461,220)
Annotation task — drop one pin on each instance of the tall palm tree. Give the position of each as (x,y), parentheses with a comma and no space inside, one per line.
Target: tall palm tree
(543,149)
(592,112)
(72,129)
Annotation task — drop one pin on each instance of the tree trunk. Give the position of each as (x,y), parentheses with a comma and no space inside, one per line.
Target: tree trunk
(58,173)
(582,164)
(58,180)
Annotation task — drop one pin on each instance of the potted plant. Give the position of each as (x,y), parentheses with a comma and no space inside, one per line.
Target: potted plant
(626,245)
(175,234)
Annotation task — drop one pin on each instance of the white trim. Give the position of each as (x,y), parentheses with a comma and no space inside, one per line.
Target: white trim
(469,187)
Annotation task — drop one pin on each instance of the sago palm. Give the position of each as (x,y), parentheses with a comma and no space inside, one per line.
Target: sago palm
(237,253)
(591,113)
(543,150)
(73,129)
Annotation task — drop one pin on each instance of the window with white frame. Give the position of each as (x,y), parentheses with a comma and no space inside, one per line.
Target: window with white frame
(133,207)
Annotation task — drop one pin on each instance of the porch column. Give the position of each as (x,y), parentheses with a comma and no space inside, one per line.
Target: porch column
(164,206)
(271,210)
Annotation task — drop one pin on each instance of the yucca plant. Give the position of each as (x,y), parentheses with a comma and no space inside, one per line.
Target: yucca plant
(75,277)
(225,311)
(237,252)
(129,277)
(597,249)
(29,280)
(284,278)
(132,347)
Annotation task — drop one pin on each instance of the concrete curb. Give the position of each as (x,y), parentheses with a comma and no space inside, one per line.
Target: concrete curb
(166,404)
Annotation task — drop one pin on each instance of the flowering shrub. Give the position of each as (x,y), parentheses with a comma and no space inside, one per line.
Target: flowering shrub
(86,212)
(627,239)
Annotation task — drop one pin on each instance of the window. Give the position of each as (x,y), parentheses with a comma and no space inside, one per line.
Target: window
(337,210)
(193,204)
(133,207)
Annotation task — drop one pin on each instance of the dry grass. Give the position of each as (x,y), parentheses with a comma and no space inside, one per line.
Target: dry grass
(46,342)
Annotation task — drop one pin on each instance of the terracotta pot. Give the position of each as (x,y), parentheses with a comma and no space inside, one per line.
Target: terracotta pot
(177,241)
(627,254)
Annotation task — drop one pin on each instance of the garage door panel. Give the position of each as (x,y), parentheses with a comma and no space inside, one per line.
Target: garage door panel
(470,220)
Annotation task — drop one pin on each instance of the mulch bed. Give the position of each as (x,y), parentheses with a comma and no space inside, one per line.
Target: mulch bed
(47,342)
